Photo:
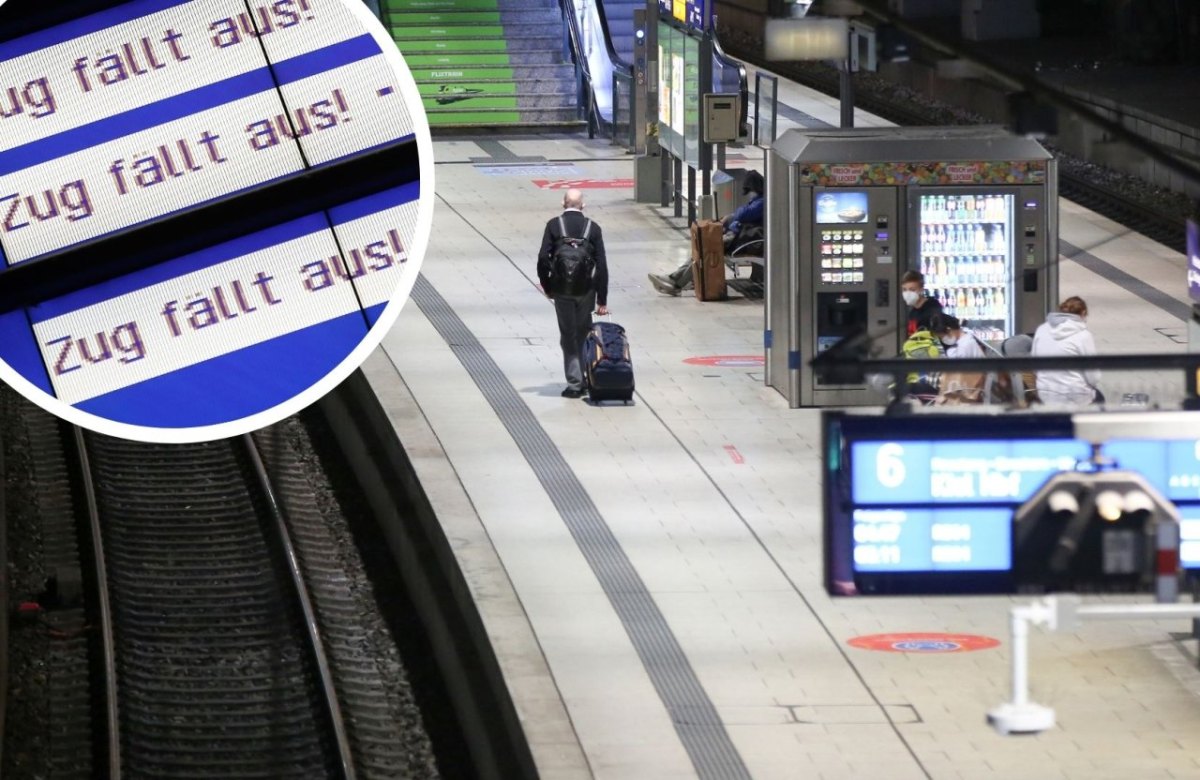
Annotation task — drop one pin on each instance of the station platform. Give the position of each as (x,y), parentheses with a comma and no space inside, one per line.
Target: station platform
(650,574)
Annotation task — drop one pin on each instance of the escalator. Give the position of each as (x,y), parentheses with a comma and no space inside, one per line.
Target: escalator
(616,19)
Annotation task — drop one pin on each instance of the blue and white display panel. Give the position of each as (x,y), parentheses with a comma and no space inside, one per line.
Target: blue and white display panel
(932,539)
(968,472)
(913,508)
(155,106)
(228,331)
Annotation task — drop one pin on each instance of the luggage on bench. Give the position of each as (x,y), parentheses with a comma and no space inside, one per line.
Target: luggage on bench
(606,364)
(708,260)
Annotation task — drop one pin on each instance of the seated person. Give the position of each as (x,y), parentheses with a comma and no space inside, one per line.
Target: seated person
(960,387)
(1022,383)
(741,226)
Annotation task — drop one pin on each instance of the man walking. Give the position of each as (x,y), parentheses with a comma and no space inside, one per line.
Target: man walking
(573,272)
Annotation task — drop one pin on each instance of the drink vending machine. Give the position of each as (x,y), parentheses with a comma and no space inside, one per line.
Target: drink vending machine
(974,209)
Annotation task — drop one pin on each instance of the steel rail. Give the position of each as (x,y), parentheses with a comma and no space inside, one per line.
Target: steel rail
(316,643)
(110,710)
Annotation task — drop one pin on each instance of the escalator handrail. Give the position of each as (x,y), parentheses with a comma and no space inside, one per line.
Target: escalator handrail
(581,61)
(619,63)
(743,81)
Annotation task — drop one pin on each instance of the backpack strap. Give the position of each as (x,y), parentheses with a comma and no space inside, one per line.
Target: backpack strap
(562,227)
(586,229)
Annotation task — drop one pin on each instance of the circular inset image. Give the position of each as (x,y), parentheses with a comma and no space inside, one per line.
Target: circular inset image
(210,211)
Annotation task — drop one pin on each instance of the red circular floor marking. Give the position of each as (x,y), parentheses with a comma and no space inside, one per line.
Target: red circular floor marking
(727,361)
(924,643)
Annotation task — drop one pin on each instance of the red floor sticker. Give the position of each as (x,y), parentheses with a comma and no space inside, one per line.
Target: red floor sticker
(924,643)
(734,455)
(584,184)
(727,361)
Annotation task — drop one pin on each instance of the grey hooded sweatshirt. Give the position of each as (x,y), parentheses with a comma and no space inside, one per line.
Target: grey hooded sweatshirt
(1065,334)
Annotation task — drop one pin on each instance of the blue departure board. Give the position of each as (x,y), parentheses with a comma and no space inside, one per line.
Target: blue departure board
(921,510)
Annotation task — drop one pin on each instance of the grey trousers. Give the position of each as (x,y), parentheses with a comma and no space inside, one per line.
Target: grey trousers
(574,322)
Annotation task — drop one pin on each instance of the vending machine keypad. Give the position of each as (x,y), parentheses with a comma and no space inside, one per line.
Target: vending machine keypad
(841,253)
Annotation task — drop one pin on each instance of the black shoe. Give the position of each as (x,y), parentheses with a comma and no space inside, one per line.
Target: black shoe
(572,392)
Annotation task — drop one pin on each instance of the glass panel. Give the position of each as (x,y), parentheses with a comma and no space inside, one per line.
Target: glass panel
(965,250)
(691,101)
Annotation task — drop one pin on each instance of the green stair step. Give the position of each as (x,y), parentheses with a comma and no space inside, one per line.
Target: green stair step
(480,45)
(458,33)
(468,118)
(441,5)
(448,73)
(471,102)
(435,17)
(454,60)
(434,90)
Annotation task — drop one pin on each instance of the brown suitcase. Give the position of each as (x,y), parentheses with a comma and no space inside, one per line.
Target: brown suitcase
(708,260)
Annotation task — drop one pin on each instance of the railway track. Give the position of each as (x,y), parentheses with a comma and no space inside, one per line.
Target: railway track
(217,610)
(213,663)
(1167,230)
(225,633)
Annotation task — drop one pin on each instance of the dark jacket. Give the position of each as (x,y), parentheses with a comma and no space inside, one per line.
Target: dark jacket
(919,319)
(575,223)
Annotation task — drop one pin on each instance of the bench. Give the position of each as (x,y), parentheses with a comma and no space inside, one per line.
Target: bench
(745,255)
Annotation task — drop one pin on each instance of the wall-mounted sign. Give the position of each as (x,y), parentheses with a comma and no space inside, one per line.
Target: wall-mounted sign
(1193,259)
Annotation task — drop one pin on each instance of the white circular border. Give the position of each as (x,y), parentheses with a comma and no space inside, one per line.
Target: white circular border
(416,255)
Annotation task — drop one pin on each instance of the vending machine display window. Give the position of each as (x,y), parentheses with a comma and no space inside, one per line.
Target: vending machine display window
(965,251)
(842,245)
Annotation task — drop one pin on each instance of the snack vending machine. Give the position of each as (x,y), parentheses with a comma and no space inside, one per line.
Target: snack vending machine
(974,209)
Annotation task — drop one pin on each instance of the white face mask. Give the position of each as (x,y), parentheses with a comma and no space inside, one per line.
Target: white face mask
(911,297)
(949,341)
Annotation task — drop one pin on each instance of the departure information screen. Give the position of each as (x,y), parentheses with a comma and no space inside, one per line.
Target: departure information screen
(149,108)
(939,508)
(226,331)
(156,106)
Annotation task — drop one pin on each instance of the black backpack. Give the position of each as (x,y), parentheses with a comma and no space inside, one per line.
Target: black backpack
(573,262)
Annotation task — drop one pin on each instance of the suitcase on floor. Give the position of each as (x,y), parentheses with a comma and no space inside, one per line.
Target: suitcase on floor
(708,260)
(607,368)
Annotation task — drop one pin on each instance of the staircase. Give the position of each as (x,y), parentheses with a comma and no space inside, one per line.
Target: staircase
(483,64)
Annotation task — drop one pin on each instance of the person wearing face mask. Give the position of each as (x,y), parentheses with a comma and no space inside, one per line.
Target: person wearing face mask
(958,341)
(958,387)
(921,307)
(1065,333)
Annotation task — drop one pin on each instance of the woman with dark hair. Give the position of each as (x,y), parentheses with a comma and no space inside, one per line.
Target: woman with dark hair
(1065,333)
(960,343)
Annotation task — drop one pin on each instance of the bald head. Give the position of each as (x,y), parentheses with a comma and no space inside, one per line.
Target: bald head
(573,199)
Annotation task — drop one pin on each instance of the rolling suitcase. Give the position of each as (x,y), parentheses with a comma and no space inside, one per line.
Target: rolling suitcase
(708,260)
(606,364)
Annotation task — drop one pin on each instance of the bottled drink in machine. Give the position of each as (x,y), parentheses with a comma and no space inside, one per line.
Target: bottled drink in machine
(965,256)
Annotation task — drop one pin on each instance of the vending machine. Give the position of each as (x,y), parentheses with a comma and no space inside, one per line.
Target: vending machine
(849,211)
